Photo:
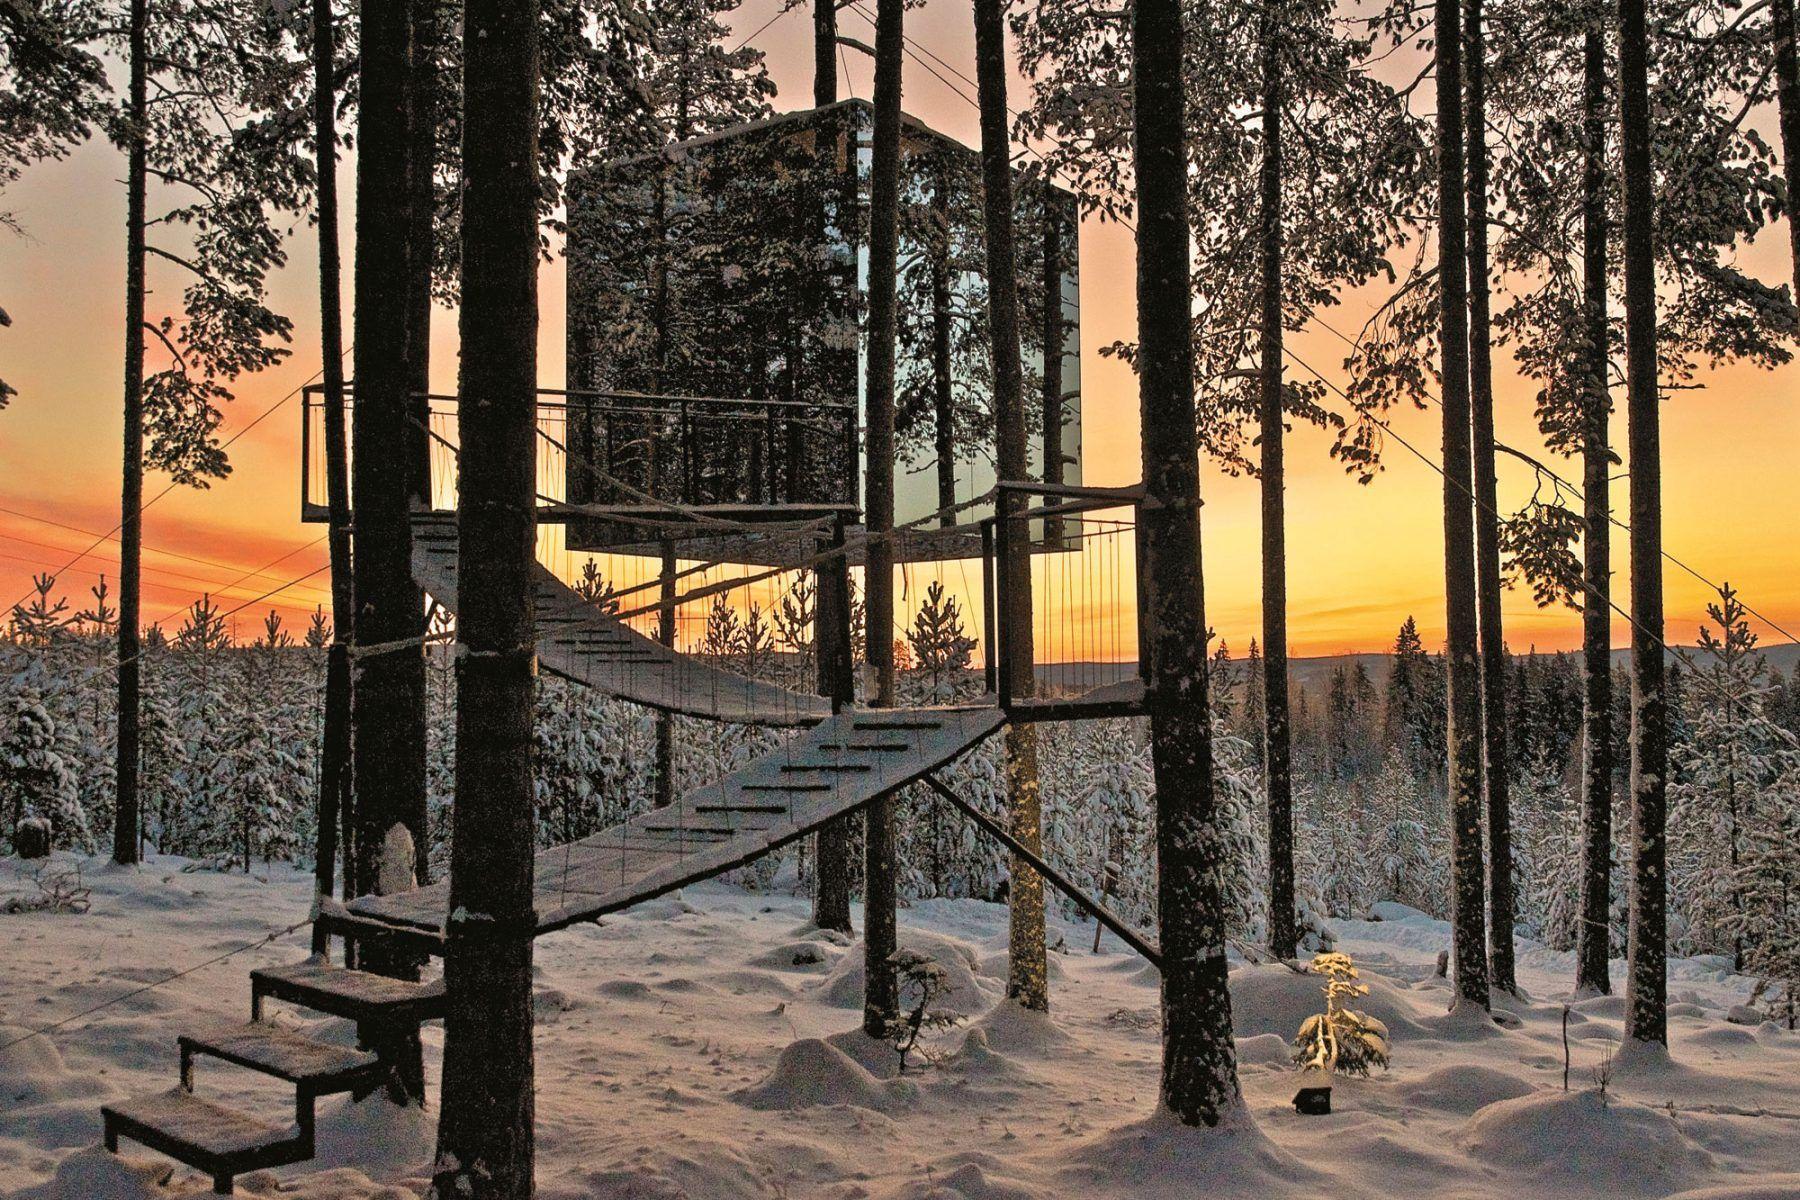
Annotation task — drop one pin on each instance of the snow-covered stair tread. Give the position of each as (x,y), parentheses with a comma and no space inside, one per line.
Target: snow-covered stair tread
(815,777)
(202,1134)
(582,644)
(267,1048)
(342,992)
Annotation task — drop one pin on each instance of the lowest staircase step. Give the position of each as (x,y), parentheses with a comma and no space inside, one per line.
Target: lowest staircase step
(206,1136)
(342,992)
(260,1046)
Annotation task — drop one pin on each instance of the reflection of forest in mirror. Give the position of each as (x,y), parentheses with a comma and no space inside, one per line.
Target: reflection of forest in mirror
(733,266)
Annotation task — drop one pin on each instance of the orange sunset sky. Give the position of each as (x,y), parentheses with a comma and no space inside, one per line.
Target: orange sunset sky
(1361,558)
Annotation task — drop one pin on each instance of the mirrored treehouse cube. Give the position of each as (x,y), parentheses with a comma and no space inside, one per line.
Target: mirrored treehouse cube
(717,291)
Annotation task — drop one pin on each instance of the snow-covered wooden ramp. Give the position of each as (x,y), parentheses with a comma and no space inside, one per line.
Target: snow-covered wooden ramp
(836,767)
(583,644)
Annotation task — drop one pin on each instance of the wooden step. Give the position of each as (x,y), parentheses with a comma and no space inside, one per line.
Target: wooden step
(774,809)
(340,992)
(827,766)
(867,747)
(791,785)
(318,1066)
(896,726)
(220,1141)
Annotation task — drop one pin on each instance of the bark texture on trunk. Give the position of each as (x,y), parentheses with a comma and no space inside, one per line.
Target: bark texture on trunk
(1199,1058)
(943,385)
(1646,1012)
(833,845)
(1463,649)
(424,90)
(131,489)
(1593,938)
(334,755)
(1787,88)
(1028,969)
(387,709)
(1277,768)
(881,1000)
(485,1136)
(1487,519)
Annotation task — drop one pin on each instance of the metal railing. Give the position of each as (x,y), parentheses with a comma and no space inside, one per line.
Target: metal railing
(1079,591)
(629,450)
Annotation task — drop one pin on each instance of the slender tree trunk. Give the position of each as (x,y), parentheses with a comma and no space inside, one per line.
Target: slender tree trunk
(485,1136)
(1199,1060)
(1284,938)
(334,758)
(1027,974)
(131,491)
(1051,401)
(422,116)
(1593,939)
(881,999)
(1787,86)
(665,724)
(1646,1014)
(834,844)
(943,387)
(1487,519)
(1463,666)
(388,690)
(824,52)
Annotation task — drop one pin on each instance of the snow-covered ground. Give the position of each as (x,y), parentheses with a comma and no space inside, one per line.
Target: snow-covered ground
(692,1048)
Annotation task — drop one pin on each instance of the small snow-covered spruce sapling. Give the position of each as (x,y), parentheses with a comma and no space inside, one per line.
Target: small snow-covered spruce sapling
(1340,1038)
(921,977)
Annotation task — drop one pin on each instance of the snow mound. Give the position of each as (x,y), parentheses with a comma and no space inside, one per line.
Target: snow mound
(999,965)
(1159,1158)
(1264,1050)
(969,1182)
(799,956)
(811,1072)
(1271,998)
(376,1136)
(1722,1037)
(1465,1088)
(1572,1139)
(31,1069)
(93,1174)
(1602,1006)
(1011,1028)
(968,992)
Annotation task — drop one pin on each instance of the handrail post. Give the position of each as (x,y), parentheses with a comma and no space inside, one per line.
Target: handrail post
(306,395)
(1142,592)
(990,657)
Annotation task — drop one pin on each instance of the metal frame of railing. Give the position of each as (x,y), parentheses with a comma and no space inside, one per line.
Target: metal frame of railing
(1055,503)
(687,417)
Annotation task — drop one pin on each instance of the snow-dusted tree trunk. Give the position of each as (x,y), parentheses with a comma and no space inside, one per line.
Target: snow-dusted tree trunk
(881,999)
(1495,765)
(1463,650)
(1027,976)
(1593,939)
(1646,1013)
(485,1136)
(334,756)
(131,494)
(1277,729)
(1787,85)
(1199,1061)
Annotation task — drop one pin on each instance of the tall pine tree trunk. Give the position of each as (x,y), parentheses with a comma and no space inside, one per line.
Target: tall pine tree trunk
(1199,1059)
(422,117)
(1646,1013)
(834,844)
(665,633)
(1495,772)
(131,490)
(1787,86)
(1027,974)
(881,999)
(1463,668)
(485,1136)
(388,691)
(1593,938)
(334,757)
(943,381)
(1283,936)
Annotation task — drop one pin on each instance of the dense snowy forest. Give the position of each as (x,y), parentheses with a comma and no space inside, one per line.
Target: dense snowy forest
(232,728)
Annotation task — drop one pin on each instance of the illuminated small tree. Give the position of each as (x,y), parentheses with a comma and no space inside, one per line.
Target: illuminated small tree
(1341,1038)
